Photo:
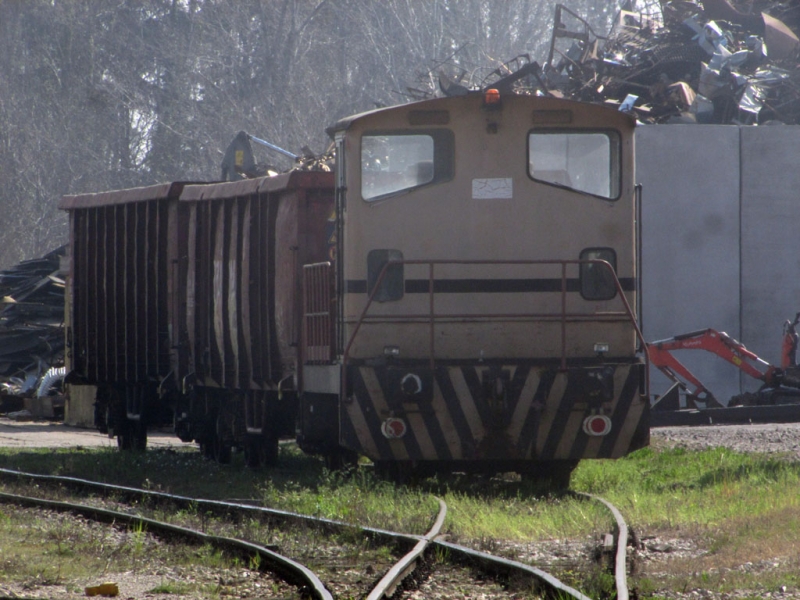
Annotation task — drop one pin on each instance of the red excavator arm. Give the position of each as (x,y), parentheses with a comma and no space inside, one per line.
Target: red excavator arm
(724,346)
(717,342)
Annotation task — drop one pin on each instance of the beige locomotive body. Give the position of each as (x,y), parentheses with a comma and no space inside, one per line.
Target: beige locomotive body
(477,325)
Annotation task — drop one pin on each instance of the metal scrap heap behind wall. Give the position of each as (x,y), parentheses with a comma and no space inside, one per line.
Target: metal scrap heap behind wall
(716,61)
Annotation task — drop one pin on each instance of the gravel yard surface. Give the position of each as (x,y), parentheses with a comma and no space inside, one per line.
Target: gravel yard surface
(779,439)
(782,438)
(771,438)
(143,573)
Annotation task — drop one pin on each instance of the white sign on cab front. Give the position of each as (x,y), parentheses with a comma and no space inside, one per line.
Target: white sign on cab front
(498,188)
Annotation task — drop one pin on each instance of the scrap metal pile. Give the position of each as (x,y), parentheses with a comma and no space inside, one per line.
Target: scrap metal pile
(709,61)
(688,61)
(667,61)
(31,323)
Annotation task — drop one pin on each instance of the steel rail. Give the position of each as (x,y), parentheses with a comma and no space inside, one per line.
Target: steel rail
(507,567)
(220,506)
(289,570)
(482,560)
(402,568)
(620,562)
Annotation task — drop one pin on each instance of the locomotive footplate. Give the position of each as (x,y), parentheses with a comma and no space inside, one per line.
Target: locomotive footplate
(500,412)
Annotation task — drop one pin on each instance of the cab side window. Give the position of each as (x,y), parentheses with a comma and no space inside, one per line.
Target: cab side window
(396,162)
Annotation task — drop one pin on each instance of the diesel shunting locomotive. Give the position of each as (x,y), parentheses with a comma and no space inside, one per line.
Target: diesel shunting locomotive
(460,294)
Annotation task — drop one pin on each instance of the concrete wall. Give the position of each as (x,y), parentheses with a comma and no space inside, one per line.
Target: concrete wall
(720,245)
(770,242)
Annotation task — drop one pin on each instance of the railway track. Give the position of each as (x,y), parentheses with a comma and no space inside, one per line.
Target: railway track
(423,557)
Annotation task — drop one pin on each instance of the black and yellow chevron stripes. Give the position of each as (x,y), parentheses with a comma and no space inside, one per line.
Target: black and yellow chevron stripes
(500,412)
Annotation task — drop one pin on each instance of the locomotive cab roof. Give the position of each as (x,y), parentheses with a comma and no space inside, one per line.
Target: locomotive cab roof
(613,115)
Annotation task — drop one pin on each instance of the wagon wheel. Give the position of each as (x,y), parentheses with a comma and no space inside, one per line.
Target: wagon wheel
(252,456)
(221,449)
(261,450)
(132,435)
(216,451)
(213,445)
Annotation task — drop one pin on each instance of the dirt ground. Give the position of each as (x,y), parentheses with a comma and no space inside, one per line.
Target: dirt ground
(54,434)
(772,438)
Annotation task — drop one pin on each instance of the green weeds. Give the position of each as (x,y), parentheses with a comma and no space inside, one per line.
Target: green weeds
(738,507)
(171,587)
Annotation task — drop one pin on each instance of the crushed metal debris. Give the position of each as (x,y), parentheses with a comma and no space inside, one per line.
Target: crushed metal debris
(709,62)
(715,61)
(31,326)
(668,61)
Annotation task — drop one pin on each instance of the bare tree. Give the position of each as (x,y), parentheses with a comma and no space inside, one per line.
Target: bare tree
(100,96)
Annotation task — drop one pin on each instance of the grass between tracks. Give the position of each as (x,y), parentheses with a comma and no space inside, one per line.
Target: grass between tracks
(738,515)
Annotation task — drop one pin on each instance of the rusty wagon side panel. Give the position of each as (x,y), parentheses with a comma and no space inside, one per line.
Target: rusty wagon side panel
(238,290)
(119,338)
(239,254)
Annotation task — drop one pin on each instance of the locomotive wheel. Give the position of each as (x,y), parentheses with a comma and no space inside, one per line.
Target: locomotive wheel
(340,460)
(554,474)
(399,472)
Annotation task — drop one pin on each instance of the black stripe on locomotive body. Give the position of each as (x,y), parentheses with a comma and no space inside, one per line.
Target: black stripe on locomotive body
(536,412)
(480,286)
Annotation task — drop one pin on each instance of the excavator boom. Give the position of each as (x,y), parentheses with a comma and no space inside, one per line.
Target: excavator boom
(720,343)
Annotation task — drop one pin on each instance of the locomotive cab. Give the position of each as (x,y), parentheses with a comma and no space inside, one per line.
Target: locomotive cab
(485,287)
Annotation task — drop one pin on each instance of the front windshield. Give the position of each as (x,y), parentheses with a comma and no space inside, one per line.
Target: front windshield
(393,163)
(583,161)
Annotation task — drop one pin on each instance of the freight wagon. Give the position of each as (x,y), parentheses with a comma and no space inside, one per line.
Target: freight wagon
(185,307)
(461,294)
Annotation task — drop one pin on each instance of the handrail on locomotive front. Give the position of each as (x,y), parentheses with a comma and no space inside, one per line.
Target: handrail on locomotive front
(563,316)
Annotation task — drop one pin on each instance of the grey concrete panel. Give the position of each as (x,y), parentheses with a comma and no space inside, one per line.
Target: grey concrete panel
(770,244)
(690,257)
